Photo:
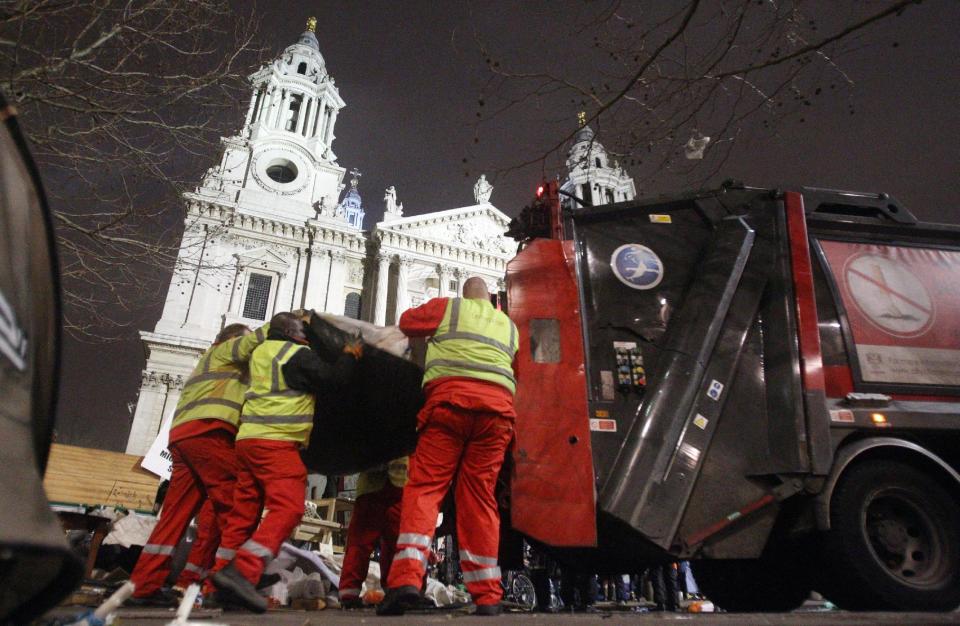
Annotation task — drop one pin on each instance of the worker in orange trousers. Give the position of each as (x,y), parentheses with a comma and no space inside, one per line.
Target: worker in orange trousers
(375,519)
(201,443)
(465,427)
(275,424)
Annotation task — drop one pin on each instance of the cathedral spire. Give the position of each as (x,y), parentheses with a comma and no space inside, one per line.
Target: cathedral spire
(351,207)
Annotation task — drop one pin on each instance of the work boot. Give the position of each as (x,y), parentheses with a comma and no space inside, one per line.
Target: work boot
(212,600)
(242,590)
(351,603)
(488,610)
(268,579)
(399,600)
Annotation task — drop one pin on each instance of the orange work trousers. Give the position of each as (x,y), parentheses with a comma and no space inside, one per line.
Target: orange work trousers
(271,475)
(375,518)
(201,556)
(470,446)
(204,467)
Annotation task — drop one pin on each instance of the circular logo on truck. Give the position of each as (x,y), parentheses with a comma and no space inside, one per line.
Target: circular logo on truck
(890,296)
(637,266)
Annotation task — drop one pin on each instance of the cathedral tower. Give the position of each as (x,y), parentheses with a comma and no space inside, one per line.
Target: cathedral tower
(265,231)
(592,175)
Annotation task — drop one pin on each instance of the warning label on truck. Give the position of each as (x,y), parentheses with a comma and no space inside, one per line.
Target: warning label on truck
(903,308)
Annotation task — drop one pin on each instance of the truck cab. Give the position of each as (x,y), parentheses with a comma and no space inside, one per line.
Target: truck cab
(766,382)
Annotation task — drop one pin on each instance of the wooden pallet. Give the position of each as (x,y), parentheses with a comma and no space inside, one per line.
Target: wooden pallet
(86,476)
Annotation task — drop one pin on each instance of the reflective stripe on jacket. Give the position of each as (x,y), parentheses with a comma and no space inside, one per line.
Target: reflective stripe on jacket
(474,340)
(272,409)
(216,388)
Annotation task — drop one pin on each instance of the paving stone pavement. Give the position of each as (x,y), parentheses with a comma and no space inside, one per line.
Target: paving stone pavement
(130,617)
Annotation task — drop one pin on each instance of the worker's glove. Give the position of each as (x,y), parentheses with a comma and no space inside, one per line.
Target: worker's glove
(354,346)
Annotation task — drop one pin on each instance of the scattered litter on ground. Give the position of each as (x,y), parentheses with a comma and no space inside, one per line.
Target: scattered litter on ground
(308,576)
(186,606)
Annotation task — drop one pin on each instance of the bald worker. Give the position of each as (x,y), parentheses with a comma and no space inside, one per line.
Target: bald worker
(465,426)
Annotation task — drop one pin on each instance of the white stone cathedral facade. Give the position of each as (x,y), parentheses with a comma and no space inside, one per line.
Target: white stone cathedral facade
(267,231)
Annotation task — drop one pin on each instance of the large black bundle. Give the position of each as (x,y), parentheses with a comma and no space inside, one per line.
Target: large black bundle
(371,421)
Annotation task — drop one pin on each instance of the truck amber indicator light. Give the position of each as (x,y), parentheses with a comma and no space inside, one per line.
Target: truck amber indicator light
(879,419)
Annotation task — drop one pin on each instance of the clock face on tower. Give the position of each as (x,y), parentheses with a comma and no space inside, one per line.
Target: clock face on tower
(280,171)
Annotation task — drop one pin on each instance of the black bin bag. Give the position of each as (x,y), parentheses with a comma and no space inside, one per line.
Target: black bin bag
(371,421)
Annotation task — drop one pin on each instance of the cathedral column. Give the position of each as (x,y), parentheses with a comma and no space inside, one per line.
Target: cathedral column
(459,274)
(328,135)
(174,388)
(303,113)
(159,394)
(271,112)
(264,104)
(308,118)
(148,415)
(316,285)
(317,116)
(380,303)
(443,275)
(281,109)
(403,296)
(253,102)
(338,275)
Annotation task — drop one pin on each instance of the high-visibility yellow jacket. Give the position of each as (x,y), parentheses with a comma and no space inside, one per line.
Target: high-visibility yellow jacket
(375,479)
(474,340)
(272,409)
(218,383)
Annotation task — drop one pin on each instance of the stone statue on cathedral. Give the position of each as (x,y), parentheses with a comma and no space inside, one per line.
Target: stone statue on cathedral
(482,190)
(392,210)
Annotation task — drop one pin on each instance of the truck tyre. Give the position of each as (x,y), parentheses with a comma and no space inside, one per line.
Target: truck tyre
(894,542)
(753,585)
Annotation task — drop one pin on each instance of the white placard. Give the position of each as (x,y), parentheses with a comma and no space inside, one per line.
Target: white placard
(158,459)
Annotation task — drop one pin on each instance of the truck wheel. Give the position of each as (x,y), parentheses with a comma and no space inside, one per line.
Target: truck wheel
(752,585)
(894,541)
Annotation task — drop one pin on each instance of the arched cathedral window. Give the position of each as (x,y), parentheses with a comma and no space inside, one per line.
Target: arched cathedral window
(302,68)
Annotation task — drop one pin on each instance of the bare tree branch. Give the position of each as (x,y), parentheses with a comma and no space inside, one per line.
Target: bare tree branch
(121,99)
(658,75)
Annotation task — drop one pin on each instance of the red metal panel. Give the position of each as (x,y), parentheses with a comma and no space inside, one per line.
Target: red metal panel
(808,332)
(839,380)
(552,489)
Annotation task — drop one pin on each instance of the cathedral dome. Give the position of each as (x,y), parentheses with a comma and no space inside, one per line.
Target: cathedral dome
(309,39)
(584,134)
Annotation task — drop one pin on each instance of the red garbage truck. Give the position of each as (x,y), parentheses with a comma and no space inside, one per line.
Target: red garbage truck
(764,382)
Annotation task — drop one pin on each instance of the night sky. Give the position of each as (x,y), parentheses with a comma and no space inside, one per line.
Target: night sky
(411,72)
